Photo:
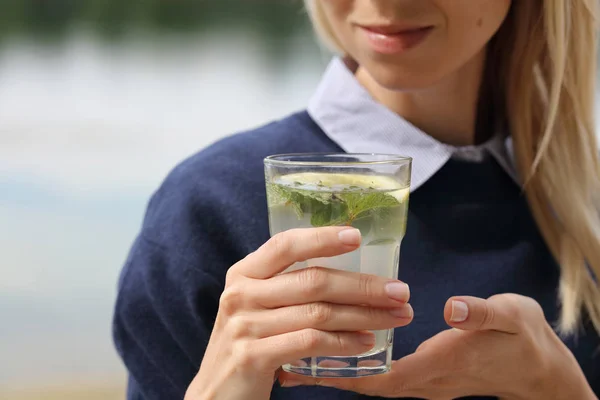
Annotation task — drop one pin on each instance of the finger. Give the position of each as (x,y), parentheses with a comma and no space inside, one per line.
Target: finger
(286,248)
(403,379)
(503,313)
(321,316)
(274,351)
(328,285)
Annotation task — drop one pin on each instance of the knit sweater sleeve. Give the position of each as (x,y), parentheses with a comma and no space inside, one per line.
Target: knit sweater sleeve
(170,285)
(209,213)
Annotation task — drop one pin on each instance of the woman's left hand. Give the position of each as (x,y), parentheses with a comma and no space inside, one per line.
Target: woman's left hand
(502,347)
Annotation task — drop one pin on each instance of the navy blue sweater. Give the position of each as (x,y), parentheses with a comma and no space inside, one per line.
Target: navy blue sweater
(470,232)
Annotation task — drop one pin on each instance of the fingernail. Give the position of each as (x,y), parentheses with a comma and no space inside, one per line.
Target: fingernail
(397,291)
(291,383)
(350,237)
(460,311)
(402,312)
(366,338)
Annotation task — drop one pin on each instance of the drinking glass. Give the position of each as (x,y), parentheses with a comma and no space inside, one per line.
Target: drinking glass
(367,191)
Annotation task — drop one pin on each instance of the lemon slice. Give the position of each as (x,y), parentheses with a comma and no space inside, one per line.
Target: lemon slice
(333,180)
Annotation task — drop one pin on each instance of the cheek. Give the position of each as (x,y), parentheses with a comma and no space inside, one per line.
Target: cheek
(338,13)
(470,25)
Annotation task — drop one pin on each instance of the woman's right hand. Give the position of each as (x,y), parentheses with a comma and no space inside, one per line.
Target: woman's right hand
(267,319)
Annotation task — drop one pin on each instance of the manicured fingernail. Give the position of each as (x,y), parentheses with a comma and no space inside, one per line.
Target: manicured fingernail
(460,311)
(366,338)
(291,383)
(402,312)
(350,237)
(397,291)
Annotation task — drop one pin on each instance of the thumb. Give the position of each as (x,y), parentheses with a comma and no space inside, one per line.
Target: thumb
(501,313)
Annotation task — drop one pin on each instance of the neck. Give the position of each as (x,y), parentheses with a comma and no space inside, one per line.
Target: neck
(446,111)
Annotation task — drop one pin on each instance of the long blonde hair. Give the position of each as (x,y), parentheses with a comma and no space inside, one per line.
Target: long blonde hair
(544,58)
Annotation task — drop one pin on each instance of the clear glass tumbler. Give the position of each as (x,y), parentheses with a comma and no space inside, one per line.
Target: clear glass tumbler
(367,191)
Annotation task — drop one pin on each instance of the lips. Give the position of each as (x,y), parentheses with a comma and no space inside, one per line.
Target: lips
(393,30)
(395,39)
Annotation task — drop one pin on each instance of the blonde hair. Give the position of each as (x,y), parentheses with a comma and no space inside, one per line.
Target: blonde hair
(544,82)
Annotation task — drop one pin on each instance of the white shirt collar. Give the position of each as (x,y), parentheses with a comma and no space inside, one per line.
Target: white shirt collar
(350,117)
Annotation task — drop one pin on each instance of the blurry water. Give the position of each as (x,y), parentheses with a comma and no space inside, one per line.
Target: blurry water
(87,131)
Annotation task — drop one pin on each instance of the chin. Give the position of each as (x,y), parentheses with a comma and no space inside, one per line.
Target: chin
(402,77)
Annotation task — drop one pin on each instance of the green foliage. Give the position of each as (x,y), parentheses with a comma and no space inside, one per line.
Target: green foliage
(275,20)
(330,209)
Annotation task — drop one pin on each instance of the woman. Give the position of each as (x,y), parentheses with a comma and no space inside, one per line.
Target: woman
(503,230)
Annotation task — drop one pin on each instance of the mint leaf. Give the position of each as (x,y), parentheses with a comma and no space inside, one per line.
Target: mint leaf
(283,195)
(362,204)
(321,197)
(277,194)
(330,209)
(376,200)
(302,201)
(332,214)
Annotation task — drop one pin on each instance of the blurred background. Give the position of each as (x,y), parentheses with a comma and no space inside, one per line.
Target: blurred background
(99,99)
